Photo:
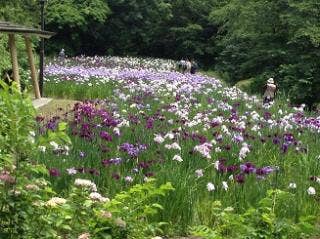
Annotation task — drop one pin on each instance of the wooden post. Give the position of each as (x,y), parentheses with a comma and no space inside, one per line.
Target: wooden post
(32,68)
(14,59)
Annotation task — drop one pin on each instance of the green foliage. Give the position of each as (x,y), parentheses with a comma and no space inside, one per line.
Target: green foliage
(76,22)
(27,200)
(261,222)
(137,207)
(20,11)
(275,38)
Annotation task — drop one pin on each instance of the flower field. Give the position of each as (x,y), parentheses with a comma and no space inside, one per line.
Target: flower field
(140,119)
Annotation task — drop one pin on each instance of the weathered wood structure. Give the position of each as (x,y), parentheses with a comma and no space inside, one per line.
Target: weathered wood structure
(12,30)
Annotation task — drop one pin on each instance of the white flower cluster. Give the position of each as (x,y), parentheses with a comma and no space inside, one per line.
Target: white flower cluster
(173,146)
(244,151)
(84,183)
(177,158)
(98,197)
(55,201)
(204,149)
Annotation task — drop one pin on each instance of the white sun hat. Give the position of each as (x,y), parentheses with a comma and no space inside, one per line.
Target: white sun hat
(270,81)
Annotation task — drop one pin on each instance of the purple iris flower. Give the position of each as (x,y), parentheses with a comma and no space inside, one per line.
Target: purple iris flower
(54,172)
(150,121)
(133,150)
(276,140)
(284,147)
(264,170)
(116,176)
(240,178)
(105,135)
(247,168)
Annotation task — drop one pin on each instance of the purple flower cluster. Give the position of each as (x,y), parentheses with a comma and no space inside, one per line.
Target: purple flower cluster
(132,150)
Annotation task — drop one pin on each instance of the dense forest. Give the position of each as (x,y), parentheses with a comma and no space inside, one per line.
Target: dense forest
(247,40)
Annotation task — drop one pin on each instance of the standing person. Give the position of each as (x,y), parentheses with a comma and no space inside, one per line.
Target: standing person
(270,91)
(188,66)
(181,65)
(62,55)
(194,67)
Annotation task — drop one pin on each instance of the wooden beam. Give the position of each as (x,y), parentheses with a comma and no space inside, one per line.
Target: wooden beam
(32,68)
(14,59)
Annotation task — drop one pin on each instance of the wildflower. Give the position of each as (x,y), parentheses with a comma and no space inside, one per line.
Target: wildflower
(204,149)
(84,236)
(238,138)
(82,154)
(177,158)
(42,149)
(66,150)
(292,185)
(311,191)
(169,135)
(132,150)
(225,185)
(105,135)
(231,177)
(210,187)
(158,139)
(128,179)
(32,187)
(116,131)
(6,177)
(216,164)
(54,145)
(71,171)
(244,151)
(239,178)
(247,168)
(85,184)
(264,170)
(173,146)
(97,197)
(199,173)
(54,172)
(55,201)
(315,179)
(113,161)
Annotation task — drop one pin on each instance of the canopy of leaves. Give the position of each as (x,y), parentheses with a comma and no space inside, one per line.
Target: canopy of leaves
(261,39)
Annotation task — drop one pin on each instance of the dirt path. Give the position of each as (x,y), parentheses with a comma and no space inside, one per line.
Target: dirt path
(56,107)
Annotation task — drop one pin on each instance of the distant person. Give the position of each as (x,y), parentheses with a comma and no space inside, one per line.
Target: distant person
(181,65)
(270,91)
(62,55)
(188,66)
(184,66)
(194,67)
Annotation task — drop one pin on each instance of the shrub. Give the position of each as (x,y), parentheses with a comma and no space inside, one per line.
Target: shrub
(260,222)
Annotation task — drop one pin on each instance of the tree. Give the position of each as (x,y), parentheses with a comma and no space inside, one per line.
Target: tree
(259,39)
(76,22)
(135,27)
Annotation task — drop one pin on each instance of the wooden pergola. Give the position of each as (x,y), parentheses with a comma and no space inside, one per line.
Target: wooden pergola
(12,30)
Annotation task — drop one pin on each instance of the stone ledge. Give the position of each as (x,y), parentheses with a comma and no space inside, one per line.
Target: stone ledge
(37,103)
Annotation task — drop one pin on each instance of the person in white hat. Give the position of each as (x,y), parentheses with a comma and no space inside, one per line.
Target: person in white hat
(270,91)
